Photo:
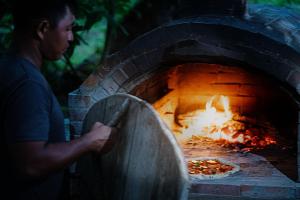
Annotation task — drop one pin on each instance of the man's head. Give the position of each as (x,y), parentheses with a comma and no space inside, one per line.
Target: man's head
(49,22)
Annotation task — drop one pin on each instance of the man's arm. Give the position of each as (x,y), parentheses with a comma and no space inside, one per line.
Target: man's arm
(37,159)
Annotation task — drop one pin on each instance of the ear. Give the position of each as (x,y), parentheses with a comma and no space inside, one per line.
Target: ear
(42,28)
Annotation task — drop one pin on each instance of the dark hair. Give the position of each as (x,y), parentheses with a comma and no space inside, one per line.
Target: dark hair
(28,13)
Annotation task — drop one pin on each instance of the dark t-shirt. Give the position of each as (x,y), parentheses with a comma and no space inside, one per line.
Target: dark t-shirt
(29,111)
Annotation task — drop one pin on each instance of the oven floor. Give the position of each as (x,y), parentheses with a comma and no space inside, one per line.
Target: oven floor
(257,178)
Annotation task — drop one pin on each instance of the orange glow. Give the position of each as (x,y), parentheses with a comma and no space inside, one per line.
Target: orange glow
(218,124)
(200,121)
(210,122)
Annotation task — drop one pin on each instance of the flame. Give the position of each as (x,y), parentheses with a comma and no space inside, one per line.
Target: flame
(211,117)
(217,124)
(212,120)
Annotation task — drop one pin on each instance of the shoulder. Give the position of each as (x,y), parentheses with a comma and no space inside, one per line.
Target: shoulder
(14,71)
(10,69)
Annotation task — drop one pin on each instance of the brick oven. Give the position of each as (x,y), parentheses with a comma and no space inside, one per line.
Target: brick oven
(248,54)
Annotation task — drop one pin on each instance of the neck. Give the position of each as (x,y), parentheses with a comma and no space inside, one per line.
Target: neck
(29,49)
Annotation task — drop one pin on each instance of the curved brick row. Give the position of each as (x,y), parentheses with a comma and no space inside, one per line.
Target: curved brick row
(259,40)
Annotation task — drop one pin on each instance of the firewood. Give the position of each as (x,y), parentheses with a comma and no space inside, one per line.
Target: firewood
(253,122)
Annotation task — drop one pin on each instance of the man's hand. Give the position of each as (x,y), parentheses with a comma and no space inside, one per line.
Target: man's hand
(36,159)
(101,138)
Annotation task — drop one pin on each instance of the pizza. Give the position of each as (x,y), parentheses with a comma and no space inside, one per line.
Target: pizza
(211,168)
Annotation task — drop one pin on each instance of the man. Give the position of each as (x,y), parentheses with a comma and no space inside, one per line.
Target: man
(33,148)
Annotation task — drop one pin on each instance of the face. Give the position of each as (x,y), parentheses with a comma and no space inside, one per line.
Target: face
(56,40)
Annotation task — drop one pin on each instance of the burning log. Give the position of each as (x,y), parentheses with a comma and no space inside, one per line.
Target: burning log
(242,135)
(253,122)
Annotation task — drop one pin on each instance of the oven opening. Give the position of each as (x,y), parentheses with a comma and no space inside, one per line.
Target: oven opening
(225,112)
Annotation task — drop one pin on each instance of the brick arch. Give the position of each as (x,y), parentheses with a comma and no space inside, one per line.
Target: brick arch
(257,41)
(225,40)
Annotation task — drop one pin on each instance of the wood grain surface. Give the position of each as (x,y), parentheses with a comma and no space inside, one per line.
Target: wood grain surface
(145,163)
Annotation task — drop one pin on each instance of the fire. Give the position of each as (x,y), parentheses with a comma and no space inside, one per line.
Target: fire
(220,124)
(210,122)
(211,117)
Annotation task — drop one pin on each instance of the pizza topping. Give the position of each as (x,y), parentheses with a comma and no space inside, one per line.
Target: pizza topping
(208,167)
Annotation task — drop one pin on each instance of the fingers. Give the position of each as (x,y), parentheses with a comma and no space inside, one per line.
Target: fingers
(102,138)
(96,125)
(109,144)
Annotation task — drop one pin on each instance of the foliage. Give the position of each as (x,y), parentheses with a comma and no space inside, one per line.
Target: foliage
(95,20)
(5,26)
(276,2)
(89,30)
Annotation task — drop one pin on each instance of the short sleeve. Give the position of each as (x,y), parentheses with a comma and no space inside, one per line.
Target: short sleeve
(27,113)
